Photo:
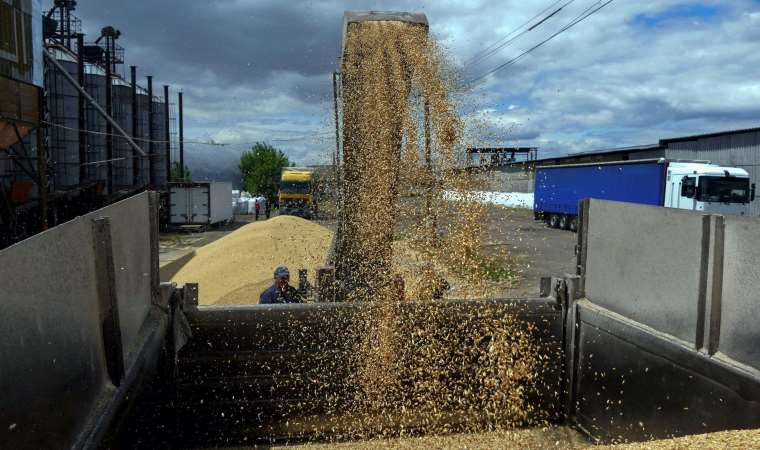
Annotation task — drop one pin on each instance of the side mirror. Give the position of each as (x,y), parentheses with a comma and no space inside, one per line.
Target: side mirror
(752,193)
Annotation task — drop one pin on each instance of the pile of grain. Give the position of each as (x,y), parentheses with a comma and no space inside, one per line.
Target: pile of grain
(238,267)
(551,437)
(728,440)
(521,439)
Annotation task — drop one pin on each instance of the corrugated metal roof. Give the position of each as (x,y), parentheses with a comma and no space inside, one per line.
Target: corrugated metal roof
(632,149)
(665,142)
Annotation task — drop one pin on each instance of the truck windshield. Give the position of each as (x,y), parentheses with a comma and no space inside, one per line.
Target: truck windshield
(295,187)
(723,189)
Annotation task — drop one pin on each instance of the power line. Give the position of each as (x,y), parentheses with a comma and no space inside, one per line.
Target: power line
(580,18)
(498,45)
(195,142)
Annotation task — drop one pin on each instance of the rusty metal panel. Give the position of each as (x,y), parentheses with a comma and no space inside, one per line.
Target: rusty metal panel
(19,104)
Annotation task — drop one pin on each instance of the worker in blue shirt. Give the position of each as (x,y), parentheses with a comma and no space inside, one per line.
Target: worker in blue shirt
(280,291)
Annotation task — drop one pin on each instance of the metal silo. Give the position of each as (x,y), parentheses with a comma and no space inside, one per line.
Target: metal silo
(96,165)
(63,109)
(143,136)
(159,147)
(122,151)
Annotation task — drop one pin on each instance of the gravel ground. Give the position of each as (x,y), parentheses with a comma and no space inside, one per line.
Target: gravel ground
(535,250)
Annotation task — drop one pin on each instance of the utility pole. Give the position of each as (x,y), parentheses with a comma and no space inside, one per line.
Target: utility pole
(42,172)
(136,160)
(109,127)
(167,135)
(82,124)
(151,132)
(181,140)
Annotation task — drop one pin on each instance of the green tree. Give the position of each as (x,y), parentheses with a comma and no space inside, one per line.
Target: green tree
(176,176)
(260,169)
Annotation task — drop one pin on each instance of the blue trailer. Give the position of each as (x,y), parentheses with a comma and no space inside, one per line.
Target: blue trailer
(694,185)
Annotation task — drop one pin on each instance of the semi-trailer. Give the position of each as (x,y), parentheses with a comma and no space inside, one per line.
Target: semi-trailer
(692,185)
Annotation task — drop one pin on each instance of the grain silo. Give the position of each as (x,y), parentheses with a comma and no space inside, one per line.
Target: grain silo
(123,160)
(96,167)
(63,110)
(158,147)
(143,136)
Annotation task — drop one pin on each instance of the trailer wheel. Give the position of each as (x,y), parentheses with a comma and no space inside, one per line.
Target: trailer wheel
(553,221)
(564,222)
(574,224)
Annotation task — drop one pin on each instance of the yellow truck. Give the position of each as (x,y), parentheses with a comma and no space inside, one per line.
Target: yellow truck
(296,194)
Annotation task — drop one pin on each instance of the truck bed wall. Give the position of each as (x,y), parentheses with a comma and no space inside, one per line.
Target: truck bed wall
(257,373)
(75,316)
(656,338)
(662,333)
(558,189)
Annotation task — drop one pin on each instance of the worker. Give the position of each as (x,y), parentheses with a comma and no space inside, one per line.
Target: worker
(267,206)
(281,291)
(257,206)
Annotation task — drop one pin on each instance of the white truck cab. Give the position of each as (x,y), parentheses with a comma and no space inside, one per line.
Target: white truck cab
(701,186)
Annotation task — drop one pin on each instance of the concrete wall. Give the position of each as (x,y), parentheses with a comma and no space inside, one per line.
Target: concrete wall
(511,181)
(74,299)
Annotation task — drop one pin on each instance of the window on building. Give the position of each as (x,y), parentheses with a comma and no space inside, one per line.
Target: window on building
(7,30)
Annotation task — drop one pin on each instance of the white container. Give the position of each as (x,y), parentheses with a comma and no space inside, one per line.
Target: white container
(202,203)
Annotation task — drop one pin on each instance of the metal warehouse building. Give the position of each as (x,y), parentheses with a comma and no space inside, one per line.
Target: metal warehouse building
(735,148)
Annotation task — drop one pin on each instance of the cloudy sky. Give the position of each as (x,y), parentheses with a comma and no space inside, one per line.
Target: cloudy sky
(630,74)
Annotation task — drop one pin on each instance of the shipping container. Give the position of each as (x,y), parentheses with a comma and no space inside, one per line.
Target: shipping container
(200,203)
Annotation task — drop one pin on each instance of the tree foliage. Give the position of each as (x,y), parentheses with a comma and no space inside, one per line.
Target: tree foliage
(177,176)
(260,169)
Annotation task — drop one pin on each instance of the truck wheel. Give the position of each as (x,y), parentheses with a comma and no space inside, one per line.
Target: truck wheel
(574,224)
(564,222)
(553,221)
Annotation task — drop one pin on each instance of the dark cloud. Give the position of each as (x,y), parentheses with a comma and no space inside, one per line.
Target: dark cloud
(260,69)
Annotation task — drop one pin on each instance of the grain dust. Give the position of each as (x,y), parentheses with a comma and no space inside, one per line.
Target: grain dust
(428,366)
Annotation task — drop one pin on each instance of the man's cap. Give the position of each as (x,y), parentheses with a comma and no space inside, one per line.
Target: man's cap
(281,272)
